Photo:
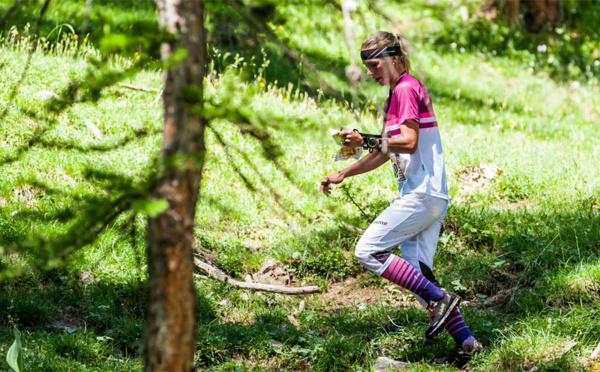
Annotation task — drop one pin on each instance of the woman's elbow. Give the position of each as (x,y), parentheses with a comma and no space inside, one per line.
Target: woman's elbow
(411,148)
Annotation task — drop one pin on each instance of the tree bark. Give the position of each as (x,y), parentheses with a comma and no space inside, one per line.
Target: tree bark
(542,14)
(535,14)
(169,341)
(511,12)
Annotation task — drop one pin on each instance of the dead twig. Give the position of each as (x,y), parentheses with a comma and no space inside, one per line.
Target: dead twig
(293,317)
(138,87)
(596,352)
(506,254)
(220,275)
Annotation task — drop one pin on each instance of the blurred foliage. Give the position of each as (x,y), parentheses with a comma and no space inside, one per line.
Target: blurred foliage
(568,52)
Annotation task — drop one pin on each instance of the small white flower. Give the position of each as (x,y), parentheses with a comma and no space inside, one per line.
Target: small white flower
(542,48)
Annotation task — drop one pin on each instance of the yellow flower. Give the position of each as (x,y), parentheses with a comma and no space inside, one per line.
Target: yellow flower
(261,84)
(371,107)
(216,84)
(280,27)
(270,24)
(205,78)
(512,123)
(85,40)
(285,100)
(435,67)
(522,98)
(75,36)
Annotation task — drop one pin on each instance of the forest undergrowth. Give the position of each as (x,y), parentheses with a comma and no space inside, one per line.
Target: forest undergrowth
(520,243)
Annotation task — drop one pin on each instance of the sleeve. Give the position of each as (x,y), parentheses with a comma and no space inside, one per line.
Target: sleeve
(404,106)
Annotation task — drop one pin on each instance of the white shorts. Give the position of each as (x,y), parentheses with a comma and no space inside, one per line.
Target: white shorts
(413,222)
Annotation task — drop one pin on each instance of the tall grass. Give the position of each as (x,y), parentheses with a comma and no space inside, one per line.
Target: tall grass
(522,250)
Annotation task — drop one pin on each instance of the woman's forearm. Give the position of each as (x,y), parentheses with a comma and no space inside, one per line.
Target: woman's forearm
(408,141)
(369,162)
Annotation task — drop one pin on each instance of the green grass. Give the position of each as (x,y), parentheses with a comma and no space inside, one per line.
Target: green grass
(522,251)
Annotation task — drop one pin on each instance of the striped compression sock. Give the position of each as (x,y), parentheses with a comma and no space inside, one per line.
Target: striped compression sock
(457,328)
(402,273)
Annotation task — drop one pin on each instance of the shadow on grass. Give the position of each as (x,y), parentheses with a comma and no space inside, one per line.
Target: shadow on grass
(65,300)
(524,252)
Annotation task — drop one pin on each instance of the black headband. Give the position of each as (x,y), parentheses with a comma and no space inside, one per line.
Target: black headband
(380,52)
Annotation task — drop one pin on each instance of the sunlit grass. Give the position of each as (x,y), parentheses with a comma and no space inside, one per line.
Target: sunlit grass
(532,232)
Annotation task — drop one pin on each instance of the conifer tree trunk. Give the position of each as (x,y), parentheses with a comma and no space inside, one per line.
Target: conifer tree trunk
(536,14)
(170,328)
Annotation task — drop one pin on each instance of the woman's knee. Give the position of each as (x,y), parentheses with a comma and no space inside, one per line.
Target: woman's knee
(362,251)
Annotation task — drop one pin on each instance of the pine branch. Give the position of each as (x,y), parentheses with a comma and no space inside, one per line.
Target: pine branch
(138,87)
(10,11)
(288,52)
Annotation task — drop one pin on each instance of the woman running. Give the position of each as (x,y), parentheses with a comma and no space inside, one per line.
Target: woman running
(411,139)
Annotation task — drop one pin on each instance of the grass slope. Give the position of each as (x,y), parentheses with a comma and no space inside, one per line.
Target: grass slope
(522,249)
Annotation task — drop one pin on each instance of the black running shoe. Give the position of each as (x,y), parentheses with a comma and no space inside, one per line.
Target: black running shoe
(440,310)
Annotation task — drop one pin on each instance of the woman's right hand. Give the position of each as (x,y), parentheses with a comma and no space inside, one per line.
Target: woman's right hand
(351,139)
(334,178)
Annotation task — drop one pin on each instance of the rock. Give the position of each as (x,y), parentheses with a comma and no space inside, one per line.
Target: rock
(86,277)
(272,272)
(46,94)
(386,364)
(275,344)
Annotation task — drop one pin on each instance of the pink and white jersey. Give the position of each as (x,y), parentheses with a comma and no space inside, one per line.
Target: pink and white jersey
(424,170)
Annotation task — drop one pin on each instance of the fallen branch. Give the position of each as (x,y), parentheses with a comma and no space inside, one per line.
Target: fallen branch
(138,87)
(220,275)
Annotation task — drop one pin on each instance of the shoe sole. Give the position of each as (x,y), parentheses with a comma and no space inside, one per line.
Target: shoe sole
(431,333)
